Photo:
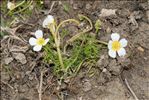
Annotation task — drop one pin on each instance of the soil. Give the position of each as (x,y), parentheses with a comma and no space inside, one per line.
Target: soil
(113,79)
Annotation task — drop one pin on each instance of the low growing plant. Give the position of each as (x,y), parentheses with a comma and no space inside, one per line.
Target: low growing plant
(68,58)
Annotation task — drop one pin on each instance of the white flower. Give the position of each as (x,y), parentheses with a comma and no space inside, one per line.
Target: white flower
(10,5)
(48,21)
(116,46)
(39,41)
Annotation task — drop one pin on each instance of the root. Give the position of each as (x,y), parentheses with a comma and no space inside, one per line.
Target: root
(128,86)
(40,86)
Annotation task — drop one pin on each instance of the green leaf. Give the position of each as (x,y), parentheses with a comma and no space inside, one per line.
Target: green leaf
(97,25)
(66,7)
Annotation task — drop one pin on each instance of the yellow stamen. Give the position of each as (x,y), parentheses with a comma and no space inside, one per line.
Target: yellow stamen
(40,41)
(116,45)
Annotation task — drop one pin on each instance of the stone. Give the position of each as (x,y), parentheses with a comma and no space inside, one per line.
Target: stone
(20,57)
(114,68)
(102,62)
(87,86)
(8,60)
(5,76)
(88,6)
(107,12)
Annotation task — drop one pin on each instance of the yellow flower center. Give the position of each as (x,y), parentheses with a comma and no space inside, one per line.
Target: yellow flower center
(40,41)
(116,45)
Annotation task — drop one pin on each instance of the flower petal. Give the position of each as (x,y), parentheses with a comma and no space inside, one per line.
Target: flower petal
(112,53)
(45,24)
(48,20)
(110,44)
(10,5)
(123,42)
(121,52)
(37,47)
(115,36)
(32,41)
(39,34)
(46,41)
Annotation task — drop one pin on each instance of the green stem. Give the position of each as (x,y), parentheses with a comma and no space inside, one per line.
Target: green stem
(58,51)
(57,43)
(65,21)
(24,8)
(90,22)
(60,57)
(79,34)
(56,35)
(84,31)
(20,4)
(16,6)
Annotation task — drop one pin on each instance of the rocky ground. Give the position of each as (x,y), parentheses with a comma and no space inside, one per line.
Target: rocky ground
(124,78)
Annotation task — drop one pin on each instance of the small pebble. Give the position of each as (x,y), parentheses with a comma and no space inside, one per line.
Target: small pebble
(140,49)
(20,57)
(8,60)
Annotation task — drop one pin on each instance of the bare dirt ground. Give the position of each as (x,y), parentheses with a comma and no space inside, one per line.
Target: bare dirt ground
(124,78)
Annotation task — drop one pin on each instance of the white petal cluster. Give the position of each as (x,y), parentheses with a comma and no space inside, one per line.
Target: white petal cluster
(48,21)
(116,46)
(10,5)
(39,41)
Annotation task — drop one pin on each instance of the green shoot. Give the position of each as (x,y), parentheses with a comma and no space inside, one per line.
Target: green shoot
(68,59)
(97,25)
(66,7)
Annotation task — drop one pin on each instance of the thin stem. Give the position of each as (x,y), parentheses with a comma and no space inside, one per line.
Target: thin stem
(79,34)
(16,6)
(58,50)
(20,4)
(84,31)
(57,43)
(60,57)
(40,86)
(90,22)
(57,37)
(65,21)
(24,8)
(136,98)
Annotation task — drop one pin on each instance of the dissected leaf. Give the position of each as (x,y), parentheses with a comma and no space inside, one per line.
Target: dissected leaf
(97,25)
